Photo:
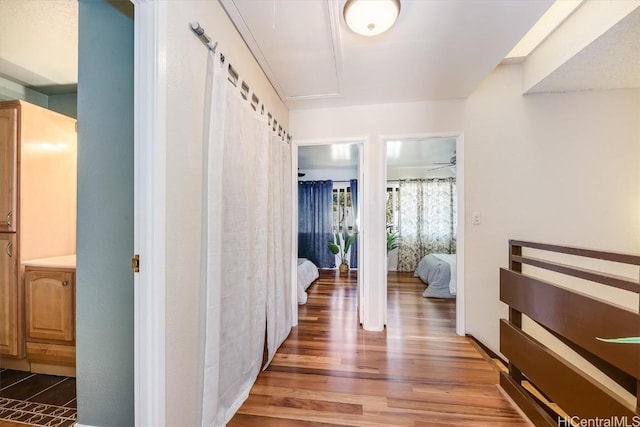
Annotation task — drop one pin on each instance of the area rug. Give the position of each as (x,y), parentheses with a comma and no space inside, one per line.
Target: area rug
(36,413)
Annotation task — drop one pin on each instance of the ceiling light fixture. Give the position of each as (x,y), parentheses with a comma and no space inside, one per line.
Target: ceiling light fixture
(371,17)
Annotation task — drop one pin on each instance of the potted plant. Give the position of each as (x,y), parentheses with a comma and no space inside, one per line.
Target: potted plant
(341,247)
(392,241)
(626,340)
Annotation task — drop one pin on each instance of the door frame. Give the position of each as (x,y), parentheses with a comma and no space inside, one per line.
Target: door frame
(150,29)
(460,238)
(363,224)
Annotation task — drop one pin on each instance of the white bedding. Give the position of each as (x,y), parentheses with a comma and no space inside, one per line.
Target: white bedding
(307,274)
(439,273)
(451,260)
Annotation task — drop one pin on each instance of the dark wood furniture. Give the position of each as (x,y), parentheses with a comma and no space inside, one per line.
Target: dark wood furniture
(577,320)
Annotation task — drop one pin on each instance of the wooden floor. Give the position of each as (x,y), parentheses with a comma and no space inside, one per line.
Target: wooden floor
(415,373)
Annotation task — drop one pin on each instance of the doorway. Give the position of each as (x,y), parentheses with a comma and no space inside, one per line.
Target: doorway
(104,308)
(424,194)
(338,163)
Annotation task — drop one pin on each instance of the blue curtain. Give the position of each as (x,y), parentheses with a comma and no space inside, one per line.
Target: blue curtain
(315,222)
(354,205)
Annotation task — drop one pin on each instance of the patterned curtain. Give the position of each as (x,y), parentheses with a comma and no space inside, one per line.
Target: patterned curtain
(427,219)
(315,222)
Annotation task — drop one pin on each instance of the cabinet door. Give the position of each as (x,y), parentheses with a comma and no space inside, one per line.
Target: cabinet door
(49,305)
(9,321)
(8,163)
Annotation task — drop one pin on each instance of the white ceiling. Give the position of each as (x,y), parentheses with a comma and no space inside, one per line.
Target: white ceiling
(425,153)
(436,50)
(612,61)
(335,156)
(39,42)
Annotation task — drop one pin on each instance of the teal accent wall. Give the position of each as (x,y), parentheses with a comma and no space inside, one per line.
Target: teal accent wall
(104,314)
(10,90)
(66,104)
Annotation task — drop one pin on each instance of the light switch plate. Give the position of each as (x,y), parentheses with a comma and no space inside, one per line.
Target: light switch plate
(475,218)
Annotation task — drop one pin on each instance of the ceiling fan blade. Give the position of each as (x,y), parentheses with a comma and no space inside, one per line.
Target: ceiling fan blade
(441,166)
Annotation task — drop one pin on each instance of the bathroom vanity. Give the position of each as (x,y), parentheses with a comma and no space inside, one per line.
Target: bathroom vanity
(49,307)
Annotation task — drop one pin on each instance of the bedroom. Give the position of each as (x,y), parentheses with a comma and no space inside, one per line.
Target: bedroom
(421,226)
(327,210)
(422,212)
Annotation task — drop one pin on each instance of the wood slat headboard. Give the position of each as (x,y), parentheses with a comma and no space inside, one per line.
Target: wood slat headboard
(577,320)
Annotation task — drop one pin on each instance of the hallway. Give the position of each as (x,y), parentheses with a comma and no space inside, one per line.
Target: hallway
(417,372)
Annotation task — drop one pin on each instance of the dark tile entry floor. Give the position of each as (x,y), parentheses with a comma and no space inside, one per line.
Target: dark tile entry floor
(37,399)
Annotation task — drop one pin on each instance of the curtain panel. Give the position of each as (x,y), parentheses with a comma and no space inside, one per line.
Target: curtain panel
(315,222)
(279,286)
(245,249)
(427,219)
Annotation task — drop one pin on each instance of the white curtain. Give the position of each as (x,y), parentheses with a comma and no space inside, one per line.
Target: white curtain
(246,248)
(279,314)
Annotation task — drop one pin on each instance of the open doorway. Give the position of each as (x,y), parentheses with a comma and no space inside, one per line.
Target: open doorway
(423,208)
(328,233)
(96,317)
(38,189)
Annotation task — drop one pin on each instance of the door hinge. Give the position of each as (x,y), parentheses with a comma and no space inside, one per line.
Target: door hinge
(135,263)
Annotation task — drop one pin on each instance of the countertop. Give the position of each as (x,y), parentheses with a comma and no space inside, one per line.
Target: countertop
(66,261)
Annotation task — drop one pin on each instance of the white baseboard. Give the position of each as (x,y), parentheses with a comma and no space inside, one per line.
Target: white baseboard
(82,425)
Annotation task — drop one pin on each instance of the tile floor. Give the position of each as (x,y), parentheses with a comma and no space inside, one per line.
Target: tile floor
(37,399)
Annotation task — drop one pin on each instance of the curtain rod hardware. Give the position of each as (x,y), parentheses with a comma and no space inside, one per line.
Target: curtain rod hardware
(233,74)
(199,31)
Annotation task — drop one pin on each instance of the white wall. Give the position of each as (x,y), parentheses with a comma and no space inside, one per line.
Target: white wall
(559,168)
(186,60)
(372,124)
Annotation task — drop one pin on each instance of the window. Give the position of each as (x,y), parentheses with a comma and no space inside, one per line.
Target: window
(392,207)
(342,210)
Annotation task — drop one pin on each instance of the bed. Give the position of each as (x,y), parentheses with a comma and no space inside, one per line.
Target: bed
(438,271)
(307,274)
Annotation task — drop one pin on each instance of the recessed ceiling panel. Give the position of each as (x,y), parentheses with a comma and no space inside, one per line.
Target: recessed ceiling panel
(436,49)
(294,43)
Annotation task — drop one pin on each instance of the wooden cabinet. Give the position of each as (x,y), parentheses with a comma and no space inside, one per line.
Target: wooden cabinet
(49,295)
(8,163)
(38,163)
(10,325)
(11,343)
(49,305)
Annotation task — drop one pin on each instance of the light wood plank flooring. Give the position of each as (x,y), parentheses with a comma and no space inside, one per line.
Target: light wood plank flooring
(415,373)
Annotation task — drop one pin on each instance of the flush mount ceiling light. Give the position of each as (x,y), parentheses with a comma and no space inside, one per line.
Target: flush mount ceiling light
(371,17)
